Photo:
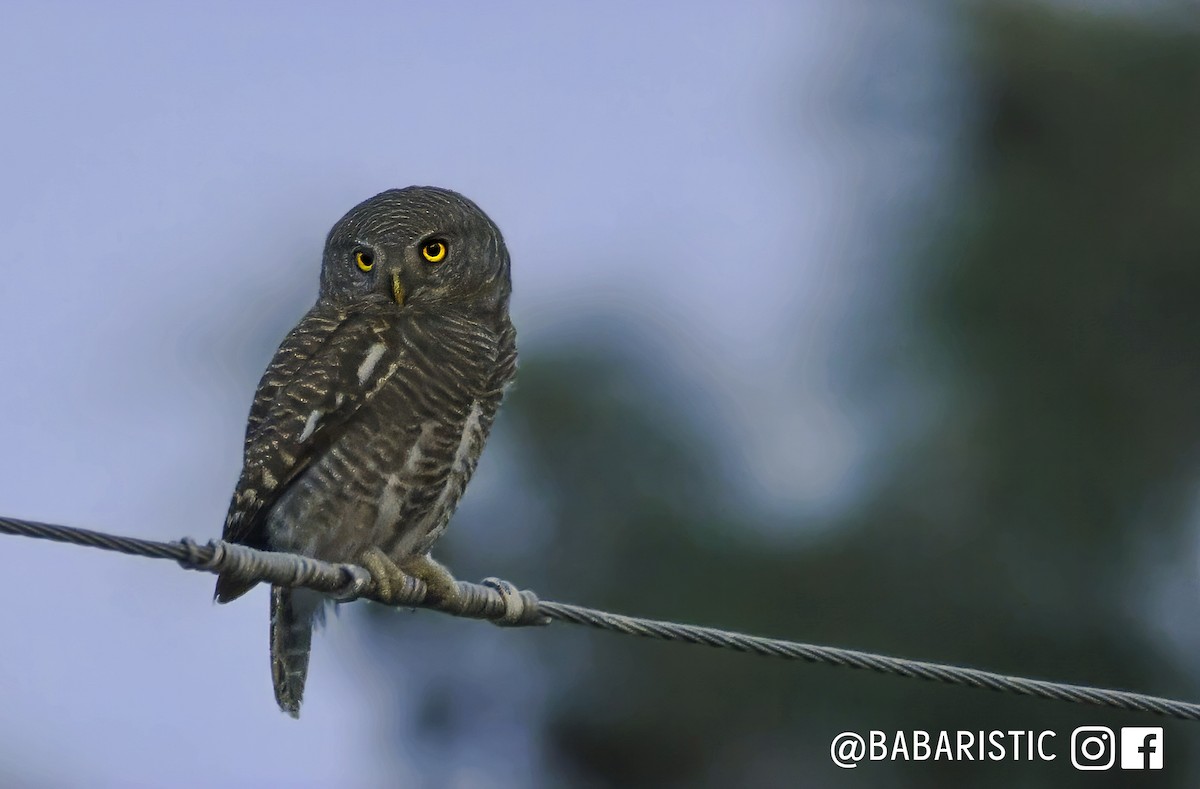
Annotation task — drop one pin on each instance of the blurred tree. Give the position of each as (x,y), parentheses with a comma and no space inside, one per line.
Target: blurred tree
(1025,525)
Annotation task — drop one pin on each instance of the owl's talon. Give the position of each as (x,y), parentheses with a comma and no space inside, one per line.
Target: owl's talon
(441,588)
(389,578)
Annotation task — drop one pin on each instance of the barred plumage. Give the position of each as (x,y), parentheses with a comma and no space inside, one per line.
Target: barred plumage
(368,423)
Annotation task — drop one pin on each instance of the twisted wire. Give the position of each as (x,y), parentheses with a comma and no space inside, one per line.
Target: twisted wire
(502,603)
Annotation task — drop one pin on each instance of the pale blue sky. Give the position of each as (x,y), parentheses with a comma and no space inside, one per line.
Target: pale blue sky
(722,174)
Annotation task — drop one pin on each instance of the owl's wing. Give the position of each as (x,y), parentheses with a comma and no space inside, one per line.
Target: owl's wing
(301,343)
(503,372)
(326,369)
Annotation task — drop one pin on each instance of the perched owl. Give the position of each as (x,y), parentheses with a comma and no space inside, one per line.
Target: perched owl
(369,420)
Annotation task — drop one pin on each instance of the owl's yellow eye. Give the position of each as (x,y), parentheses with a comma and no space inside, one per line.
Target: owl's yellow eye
(434,251)
(364,259)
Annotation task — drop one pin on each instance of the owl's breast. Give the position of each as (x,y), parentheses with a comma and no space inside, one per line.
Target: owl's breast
(462,467)
(395,473)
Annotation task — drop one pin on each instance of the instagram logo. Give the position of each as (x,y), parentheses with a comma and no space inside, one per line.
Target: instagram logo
(1093,748)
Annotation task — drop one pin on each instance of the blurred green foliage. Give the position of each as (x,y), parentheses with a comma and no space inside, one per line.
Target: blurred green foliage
(1034,521)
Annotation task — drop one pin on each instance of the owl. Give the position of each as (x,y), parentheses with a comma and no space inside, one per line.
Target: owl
(369,420)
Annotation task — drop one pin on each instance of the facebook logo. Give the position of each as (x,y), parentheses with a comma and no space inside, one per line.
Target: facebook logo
(1141,748)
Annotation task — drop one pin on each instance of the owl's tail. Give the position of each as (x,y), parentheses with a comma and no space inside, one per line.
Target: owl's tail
(292,612)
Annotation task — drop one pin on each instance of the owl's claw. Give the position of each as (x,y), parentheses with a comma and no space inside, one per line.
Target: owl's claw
(389,579)
(441,588)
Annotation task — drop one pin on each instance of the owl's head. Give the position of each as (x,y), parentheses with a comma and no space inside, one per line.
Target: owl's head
(417,246)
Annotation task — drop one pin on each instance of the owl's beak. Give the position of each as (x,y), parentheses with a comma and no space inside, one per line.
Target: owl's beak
(397,288)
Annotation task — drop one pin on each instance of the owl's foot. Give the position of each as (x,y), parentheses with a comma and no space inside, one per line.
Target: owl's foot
(389,579)
(441,587)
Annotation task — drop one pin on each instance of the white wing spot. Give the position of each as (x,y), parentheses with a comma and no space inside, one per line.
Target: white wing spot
(416,453)
(390,502)
(311,424)
(269,479)
(374,354)
(462,458)
(470,434)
